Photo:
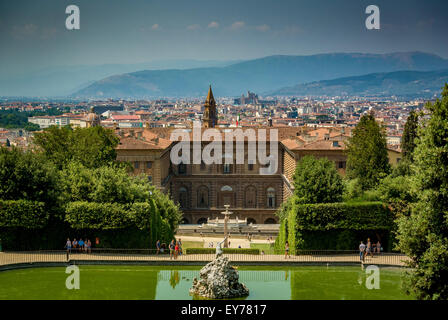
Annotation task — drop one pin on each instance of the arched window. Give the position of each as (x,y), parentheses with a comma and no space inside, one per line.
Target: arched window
(270,221)
(251,220)
(183,197)
(271,197)
(203,197)
(250,197)
(226,188)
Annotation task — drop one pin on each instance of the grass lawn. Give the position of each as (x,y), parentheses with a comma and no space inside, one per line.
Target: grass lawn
(266,247)
(192,244)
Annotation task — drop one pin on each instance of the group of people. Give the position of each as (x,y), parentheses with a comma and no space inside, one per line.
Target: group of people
(175,248)
(369,249)
(78,246)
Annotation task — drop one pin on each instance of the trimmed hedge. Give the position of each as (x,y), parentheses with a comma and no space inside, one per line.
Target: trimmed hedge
(144,217)
(23,213)
(331,226)
(225,250)
(93,215)
(354,216)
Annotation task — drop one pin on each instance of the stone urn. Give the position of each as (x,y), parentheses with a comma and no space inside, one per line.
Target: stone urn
(218,280)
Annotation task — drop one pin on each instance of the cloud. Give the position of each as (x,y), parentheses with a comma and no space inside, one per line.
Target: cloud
(293,29)
(263,28)
(213,24)
(155,26)
(193,27)
(237,25)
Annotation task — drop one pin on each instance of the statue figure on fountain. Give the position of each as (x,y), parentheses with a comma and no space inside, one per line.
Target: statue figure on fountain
(219,247)
(218,279)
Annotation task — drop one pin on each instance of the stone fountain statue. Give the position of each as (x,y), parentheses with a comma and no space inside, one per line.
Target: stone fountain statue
(218,279)
(219,248)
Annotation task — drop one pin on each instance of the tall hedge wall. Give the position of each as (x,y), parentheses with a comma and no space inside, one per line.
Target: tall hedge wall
(335,226)
(22,213)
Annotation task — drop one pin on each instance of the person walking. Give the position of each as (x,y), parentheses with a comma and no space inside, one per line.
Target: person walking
(287,250)
(362,249)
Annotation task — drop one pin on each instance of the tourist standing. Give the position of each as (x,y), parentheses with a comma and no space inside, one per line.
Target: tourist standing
(158,246)
(369,247)
(378,247)
(89,246)
(74,244)
(362,249)
(287,250)
(176,250)
(171,247)
(68,245)
(81,245)
(180,246)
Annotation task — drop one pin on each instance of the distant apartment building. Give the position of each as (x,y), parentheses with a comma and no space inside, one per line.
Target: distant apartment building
(48,121)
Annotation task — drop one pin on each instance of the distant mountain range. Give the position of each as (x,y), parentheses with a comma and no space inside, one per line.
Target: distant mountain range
(271,73)
(65,80)
(399,83)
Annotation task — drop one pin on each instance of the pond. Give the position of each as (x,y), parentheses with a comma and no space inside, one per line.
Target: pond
(173,283)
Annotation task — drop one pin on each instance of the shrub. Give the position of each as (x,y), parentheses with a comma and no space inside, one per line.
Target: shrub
(22,213)
(93,215)
(344,221)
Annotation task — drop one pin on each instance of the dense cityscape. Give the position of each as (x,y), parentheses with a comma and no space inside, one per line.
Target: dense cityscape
(246,111)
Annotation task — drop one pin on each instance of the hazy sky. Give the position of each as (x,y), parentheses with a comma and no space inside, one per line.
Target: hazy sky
(33,33)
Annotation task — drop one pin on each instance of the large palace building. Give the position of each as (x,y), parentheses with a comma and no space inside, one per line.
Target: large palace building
(203,189)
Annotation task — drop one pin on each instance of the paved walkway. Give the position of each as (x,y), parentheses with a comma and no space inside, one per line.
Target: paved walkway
(234,242)
(34,257)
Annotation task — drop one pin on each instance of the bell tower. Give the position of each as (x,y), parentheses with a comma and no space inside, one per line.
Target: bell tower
(210,118)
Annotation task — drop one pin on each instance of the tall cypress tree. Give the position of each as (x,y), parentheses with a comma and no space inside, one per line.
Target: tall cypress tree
(423,234)
(409,136)
(367,158)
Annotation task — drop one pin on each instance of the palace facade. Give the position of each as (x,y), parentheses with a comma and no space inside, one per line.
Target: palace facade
(203,189)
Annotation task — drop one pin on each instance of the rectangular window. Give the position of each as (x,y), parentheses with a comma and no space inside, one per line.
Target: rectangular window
(148,165)
(182,168)
(136,164)
(227,168)
(251,166)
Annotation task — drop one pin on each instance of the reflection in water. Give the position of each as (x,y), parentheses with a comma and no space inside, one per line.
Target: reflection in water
(262,284)
(174,278)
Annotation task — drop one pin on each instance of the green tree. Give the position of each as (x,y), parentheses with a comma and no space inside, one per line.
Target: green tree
(114,184)
(409,136)
(367,158)
(423,234)
(92,147)
(317,181)
(25,175)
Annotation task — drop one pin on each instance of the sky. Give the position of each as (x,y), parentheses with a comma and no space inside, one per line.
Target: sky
(33,33)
